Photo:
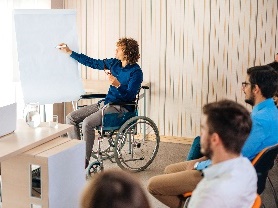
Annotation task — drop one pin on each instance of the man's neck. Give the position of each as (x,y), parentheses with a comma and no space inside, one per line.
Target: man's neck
(222,156)
(124,63)
(259,99)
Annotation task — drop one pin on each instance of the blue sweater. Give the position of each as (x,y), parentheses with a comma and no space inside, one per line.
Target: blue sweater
(263,133)
(130,77)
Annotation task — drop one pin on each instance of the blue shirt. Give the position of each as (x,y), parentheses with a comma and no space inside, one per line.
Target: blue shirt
(130,77)
(263,133)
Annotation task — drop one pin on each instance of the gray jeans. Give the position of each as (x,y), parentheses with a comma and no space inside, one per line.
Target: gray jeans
(91,117)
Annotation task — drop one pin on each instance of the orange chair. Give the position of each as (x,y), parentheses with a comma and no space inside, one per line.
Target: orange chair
(187,197)
(263,162)
(257,202)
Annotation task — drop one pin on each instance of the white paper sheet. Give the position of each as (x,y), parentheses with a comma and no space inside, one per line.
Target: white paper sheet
(47,75)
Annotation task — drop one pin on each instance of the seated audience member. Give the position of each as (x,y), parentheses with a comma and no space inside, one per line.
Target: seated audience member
(194,152)
(231,180)
(259,88)
(114,189)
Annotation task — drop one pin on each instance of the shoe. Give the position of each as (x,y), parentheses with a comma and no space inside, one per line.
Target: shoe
(86,163)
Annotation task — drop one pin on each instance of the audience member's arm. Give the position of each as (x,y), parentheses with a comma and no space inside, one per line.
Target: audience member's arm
(252,146)
(202,165)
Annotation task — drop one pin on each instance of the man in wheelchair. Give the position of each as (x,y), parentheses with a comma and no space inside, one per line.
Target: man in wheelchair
(125,76)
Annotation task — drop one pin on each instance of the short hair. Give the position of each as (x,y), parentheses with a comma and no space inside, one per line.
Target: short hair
(274,65)
(114,189)
(265,77)
(231,121)
(130,49)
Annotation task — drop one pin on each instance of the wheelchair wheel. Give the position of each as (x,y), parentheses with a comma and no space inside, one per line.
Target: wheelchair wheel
(93,169)
(107,146)
(136,144)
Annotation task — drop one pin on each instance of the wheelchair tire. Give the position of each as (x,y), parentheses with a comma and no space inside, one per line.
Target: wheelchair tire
(136,144)
(93,168)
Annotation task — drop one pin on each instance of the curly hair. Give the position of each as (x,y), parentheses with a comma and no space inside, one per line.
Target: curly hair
(130,49)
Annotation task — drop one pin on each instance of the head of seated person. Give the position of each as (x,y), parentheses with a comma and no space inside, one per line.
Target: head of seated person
(274,65)
(114,189)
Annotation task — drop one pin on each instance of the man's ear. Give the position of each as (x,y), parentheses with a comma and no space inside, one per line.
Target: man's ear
(215,139)
(256,89)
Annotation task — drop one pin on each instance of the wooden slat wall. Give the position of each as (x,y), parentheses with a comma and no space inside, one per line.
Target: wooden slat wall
(192,51)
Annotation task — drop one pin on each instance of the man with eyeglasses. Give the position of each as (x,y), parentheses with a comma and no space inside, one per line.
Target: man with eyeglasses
(259,87)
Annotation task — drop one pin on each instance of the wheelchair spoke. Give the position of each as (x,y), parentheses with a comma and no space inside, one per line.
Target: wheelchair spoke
(137,144)
(107,145)
(94,168)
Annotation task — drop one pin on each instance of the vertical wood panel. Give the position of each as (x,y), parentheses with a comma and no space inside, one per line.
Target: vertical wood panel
(192,51)
(146,62)
(267,30)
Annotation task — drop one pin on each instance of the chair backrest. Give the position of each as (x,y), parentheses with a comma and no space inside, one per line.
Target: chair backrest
(263,162)
(138,95)
(113,121)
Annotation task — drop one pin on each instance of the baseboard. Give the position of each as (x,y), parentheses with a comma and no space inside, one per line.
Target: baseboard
(173,139)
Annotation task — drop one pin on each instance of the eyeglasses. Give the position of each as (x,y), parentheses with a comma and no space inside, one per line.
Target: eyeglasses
(244,84)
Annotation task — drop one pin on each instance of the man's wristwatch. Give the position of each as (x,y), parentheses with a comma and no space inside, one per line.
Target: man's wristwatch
(196,165)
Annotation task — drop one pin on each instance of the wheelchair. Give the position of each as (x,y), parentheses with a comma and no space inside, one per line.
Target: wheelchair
(127,139)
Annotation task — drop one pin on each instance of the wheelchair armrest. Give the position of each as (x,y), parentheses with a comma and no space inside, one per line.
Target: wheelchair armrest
(91,96)
(123,103)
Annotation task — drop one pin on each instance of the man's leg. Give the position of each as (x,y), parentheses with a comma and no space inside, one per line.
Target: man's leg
(76,117)
(92,121)
(181,166)
(168,188)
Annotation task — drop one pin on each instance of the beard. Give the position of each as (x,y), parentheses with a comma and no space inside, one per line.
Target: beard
(207,151)
(250,100)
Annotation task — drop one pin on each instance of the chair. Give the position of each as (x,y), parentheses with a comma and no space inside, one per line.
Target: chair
(257,202)
(263,162)
(187,197)
(130,140)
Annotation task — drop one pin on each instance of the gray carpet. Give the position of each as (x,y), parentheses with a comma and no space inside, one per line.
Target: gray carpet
(170,153)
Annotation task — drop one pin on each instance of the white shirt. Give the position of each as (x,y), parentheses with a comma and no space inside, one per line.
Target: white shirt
(229,184)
